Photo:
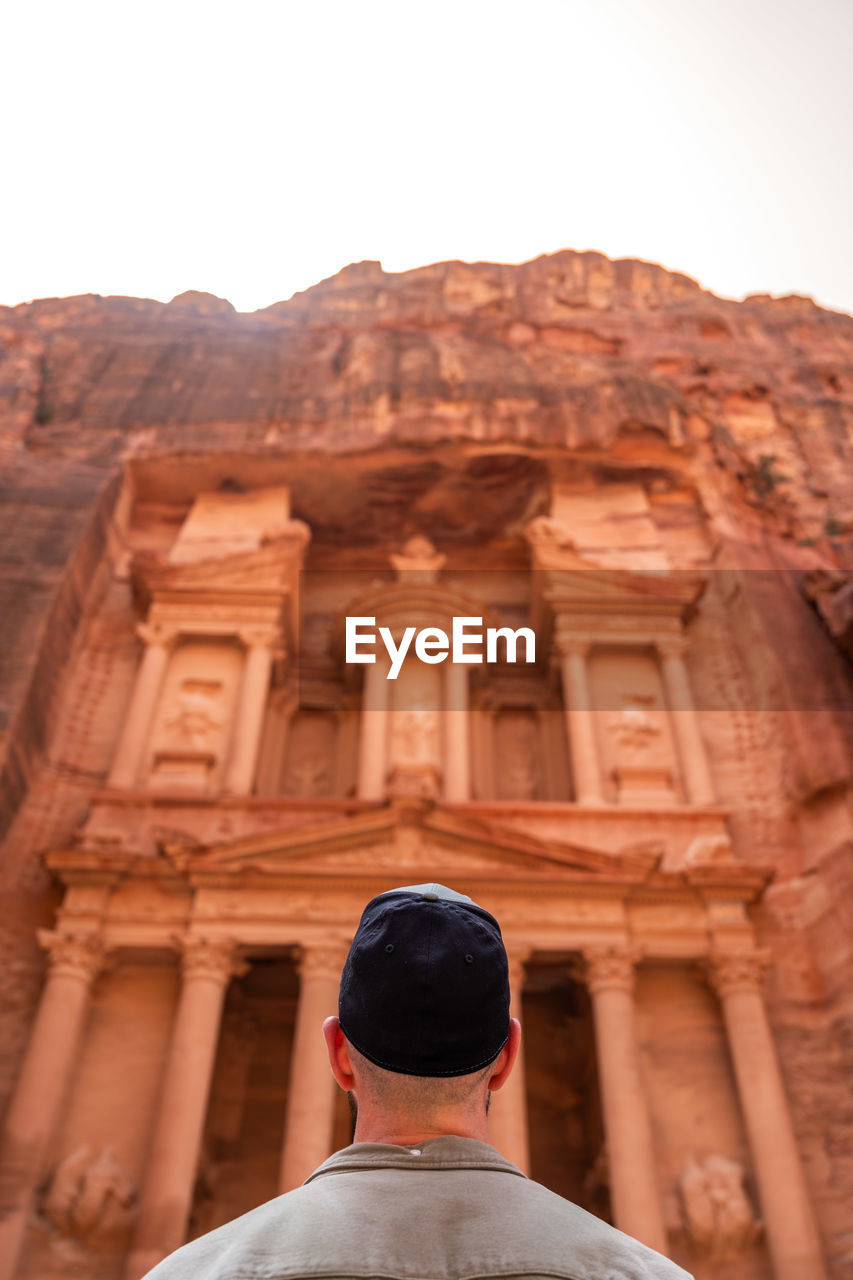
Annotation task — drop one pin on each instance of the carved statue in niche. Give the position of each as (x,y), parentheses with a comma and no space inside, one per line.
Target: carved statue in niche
(415,736)
(715,1208)
(418,561)
(641,763)
(518,756)
(311,753)
(308,777)
(635,728)
(196,719)
(414,756)
(89,1196)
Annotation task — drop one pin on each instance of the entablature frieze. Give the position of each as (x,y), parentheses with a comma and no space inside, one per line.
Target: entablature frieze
(270,874)
(550,917)
(576,633)
(169,621)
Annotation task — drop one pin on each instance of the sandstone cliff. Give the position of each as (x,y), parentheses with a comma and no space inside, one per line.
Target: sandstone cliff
(447,401)
(625,367)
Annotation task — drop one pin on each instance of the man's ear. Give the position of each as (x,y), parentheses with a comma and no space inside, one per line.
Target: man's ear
(506,1058)
(339,1059)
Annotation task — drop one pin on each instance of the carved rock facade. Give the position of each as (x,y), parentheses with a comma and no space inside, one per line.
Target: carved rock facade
(199,793)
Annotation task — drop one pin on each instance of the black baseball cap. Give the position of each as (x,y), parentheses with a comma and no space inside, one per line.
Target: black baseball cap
(425,987)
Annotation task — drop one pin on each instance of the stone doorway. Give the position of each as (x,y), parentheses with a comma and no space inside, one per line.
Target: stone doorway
(564,1108)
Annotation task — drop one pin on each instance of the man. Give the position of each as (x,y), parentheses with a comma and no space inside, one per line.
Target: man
(422,1038)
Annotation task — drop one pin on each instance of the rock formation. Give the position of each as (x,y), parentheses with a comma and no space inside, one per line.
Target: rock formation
(654,479)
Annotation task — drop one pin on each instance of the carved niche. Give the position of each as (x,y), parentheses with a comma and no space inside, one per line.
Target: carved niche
(311,754)
(415,746)
(634,735)
(192,727)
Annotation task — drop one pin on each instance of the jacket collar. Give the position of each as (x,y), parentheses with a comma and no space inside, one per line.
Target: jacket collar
(435,1153)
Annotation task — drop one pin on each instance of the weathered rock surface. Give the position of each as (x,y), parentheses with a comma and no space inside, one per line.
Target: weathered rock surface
(450,401)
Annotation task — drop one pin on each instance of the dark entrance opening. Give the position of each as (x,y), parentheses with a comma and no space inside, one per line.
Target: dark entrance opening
(564,1109)
(241,1151)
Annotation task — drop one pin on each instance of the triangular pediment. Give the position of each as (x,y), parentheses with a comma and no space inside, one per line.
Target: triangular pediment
(431,844)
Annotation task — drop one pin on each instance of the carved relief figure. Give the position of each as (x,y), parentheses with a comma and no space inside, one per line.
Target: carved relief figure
(189,740)
(196,721)
(717,1214)
(308,777)
(635,729)
(414,737)
(89,1196)
(518,755)
(311,754)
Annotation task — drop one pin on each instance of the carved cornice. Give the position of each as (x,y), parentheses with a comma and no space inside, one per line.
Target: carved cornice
(214,959)
(731,972)
(610,967)
(70,955)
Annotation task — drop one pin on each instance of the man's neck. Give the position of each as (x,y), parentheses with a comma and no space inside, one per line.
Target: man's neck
(410,1132)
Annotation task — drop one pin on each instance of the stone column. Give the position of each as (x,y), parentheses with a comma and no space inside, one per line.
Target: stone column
(42,1081)
(246,738)
(166,1196)
(508,1107)
(634,1191)
(792,1234)
(373,732)
(583,747)
(311,1087)
(691,748)
(138,719)
(457,751)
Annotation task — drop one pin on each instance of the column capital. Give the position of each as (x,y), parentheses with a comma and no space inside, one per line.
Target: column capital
(80,955)
(214,958)
(568,644)
(610,966)
(674,646)
(259,637)
(518,959)
(157,633)
(325,960)
(734,971)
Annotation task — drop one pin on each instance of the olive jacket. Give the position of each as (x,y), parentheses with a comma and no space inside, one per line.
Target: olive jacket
(450,1209)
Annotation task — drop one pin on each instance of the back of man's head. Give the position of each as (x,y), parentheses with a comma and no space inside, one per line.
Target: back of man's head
(425,987)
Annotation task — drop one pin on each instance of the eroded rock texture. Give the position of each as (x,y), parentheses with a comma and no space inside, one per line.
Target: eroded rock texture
(569,407)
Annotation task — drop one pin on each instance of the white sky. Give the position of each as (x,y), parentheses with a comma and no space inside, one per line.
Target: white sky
(252,148)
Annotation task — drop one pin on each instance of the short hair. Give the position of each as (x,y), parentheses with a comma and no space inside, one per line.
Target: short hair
(419,1093)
